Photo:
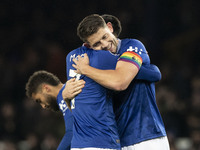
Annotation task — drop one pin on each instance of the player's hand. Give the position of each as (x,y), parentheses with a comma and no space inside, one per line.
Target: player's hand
(72,88)
(81,63)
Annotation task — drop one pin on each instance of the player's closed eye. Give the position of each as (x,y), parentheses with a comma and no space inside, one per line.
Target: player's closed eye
(105,37)
(96,44)
(38,101)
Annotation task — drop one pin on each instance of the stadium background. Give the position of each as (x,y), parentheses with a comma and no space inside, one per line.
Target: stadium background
(39,34)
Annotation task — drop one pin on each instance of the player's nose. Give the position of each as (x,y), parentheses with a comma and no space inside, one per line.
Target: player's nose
(44,106)
(104,45)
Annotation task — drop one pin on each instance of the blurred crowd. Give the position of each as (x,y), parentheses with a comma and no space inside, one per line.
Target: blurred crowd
(37,35)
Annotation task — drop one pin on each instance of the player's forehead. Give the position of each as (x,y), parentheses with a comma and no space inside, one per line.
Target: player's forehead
(96,37)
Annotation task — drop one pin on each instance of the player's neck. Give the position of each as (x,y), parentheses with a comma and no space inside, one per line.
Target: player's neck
(57,89)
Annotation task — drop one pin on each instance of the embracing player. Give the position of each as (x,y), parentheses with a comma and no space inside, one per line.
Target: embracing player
(139,121)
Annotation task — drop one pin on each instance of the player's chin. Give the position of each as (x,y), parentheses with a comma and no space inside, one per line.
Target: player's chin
(112,50)
(55,109)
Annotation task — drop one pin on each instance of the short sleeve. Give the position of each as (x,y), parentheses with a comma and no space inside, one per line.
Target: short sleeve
(134,51)
(131,57)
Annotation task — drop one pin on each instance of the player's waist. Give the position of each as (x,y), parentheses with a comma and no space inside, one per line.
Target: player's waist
(93,140)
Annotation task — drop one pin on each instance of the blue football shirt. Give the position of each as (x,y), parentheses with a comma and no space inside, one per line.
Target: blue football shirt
(68,118)
(94,119)
(137,114)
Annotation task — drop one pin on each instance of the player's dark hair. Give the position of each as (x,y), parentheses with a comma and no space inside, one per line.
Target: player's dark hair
(116,24)
(90,25)
(38,78)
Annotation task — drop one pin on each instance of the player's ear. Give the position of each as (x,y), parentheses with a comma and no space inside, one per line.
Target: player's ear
(110,27)
(86,45)
(46,88)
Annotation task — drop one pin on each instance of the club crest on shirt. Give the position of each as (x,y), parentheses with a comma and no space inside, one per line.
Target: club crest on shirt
(133,58)
(63,106)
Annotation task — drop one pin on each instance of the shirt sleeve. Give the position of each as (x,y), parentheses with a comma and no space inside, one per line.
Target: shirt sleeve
(134,52)
(149,73)
(65,142)
(131,57)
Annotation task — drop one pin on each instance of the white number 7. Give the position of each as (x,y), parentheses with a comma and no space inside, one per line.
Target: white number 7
(77,76)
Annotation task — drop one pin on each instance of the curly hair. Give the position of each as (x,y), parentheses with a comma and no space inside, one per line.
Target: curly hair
(37,79)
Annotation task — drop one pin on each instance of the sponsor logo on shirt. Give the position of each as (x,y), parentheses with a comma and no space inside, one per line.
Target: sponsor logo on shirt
(63,106)
(134,50)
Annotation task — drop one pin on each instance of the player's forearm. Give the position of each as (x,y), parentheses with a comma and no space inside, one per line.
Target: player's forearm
(107,78)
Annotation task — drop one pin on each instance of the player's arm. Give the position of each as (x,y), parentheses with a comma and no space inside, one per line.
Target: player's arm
(65,143)
(118,79)
(149,72)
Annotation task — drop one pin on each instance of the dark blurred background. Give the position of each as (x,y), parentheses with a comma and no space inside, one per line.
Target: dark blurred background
(39,34)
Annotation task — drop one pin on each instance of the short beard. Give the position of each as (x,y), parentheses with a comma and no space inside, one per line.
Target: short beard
(52,101)
(114,41)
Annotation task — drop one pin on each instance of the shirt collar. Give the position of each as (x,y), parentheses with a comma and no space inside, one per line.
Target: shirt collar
(118,46)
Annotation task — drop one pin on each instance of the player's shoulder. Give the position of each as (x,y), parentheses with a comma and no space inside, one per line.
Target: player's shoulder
(133,45)
(79,51)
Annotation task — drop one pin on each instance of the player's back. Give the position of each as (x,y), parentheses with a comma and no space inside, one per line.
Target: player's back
(94,124)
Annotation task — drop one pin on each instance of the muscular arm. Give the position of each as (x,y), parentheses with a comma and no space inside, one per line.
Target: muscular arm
(117,79)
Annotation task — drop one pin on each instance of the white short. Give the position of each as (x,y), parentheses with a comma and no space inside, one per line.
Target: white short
(92,148)
(160,143)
